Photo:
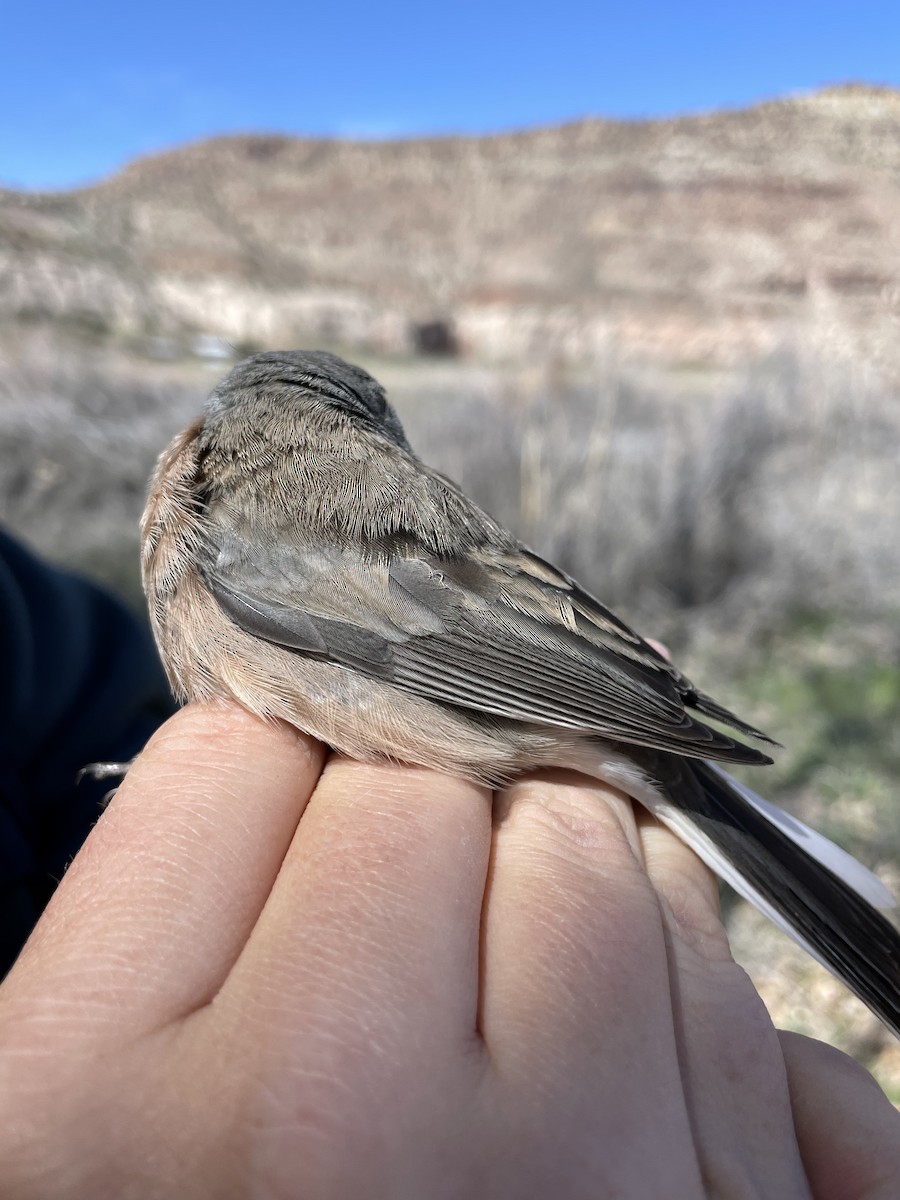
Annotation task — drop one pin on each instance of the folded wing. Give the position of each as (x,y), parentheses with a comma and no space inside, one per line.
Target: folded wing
(501,633)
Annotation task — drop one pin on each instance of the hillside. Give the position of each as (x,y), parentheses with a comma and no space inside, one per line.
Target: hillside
(706,238)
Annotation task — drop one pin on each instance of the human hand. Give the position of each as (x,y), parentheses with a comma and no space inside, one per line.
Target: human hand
(262,978)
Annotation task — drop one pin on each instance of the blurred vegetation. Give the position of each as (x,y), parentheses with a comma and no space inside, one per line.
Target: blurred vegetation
(749,518)
(833,712)
(834,704)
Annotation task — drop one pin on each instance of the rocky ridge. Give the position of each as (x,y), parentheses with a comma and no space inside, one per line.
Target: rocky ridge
(703,238)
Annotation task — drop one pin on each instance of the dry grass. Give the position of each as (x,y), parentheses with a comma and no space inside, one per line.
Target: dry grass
(735,502)
(79,436)
(736,505)
(750,519)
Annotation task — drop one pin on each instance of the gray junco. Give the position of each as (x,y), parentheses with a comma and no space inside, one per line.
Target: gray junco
(298,557)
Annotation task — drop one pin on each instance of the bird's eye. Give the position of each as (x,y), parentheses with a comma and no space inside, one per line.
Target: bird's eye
(376,401)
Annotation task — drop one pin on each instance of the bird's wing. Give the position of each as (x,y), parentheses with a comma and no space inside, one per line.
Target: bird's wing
(500,632)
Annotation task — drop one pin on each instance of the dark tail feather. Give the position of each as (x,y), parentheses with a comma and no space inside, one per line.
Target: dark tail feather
(828,909)
(706,705)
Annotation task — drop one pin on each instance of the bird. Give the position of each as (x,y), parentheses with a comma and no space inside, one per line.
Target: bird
(299,558)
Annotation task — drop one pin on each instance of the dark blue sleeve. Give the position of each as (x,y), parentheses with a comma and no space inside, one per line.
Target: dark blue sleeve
(80,682)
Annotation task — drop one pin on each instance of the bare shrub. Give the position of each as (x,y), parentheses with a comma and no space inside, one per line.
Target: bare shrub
(774,494)
(77,443)
(730,502)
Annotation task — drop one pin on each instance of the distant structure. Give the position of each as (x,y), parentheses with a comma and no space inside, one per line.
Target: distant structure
(434,338)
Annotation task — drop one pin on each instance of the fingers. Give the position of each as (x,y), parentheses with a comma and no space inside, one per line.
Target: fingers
(350,940)
(611,1000)
(659,647)
(344,955)
(383,882)
(731,1065)
(576,1011)
(849,1132)
(363,966)
(157,905)
(622,1049)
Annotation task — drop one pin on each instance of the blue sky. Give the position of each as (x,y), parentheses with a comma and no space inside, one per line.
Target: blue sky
(85,88)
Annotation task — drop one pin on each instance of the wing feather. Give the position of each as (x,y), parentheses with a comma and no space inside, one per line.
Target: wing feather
(474,632)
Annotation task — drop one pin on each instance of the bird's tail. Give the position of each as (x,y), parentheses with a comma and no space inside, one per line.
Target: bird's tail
(816,892)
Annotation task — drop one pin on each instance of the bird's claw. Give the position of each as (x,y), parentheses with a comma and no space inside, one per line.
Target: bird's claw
(103,770)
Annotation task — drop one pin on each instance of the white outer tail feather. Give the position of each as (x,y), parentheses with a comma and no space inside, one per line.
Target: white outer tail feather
(838,861)
(622,773)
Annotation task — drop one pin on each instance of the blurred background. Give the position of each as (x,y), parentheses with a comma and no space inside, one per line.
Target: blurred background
(630,273)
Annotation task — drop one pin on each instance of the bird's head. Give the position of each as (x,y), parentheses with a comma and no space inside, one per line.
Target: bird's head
(310,378)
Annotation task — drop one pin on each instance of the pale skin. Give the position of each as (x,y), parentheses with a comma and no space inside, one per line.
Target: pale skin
(273,973)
